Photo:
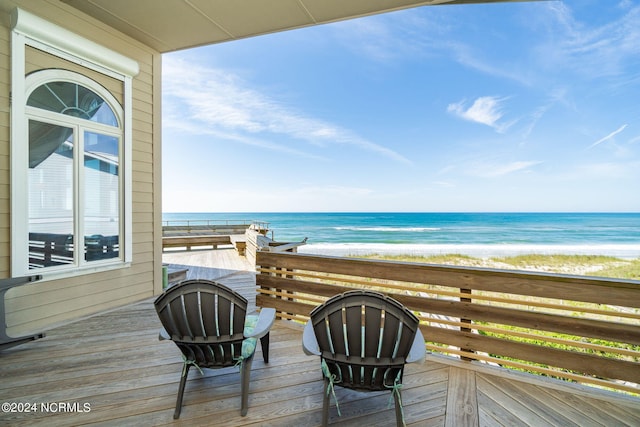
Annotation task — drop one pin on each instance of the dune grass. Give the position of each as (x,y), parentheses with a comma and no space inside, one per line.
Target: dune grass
(586,265)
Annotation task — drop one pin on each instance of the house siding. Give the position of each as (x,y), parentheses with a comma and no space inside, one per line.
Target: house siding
(5,205)
(42,305)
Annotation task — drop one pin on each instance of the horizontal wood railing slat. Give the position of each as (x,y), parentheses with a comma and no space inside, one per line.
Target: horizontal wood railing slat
(531,336)
(581,362)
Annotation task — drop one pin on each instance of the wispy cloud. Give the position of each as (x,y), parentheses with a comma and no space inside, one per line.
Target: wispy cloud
(498,170)
(391,37)
(331,190)
(486,110)
(570,44)
(609,137)
(596,51)
(445,184)
(196,128)
(557,96)
(221,103)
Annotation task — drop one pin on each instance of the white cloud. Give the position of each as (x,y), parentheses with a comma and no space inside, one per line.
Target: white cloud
(596,51)
(608,137)
(392,37)
(221,103)
(445,184)
(331,190)
(497,170)
(486,110)
(220,134)
(557,96)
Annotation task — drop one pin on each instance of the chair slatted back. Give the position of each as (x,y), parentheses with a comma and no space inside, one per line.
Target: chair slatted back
(206,321)
(364,338)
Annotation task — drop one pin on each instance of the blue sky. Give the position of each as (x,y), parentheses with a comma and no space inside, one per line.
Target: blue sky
(495,107)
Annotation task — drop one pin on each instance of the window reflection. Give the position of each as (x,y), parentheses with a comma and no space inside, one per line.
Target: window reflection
(51,202)
(102,204)
(73,100)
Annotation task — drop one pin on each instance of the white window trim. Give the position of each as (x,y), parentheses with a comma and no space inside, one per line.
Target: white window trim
(85,52)
(30,30)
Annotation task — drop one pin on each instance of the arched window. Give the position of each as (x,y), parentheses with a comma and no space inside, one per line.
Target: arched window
(71,152)
(75,138)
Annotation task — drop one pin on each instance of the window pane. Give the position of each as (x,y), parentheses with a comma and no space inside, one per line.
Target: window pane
(73,100)
(102,196)
(50,195)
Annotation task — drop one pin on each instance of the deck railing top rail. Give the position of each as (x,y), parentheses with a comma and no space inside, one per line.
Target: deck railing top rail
(213,224)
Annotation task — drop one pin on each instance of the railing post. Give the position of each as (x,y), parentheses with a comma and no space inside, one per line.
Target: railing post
(284,292)
(465,321)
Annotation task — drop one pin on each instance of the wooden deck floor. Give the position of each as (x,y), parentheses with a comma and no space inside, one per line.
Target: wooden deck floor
(114,363)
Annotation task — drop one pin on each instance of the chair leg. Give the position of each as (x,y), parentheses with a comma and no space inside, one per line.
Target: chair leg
(399,416)
(325,403)
(264,344)
(183,382)
(245,375)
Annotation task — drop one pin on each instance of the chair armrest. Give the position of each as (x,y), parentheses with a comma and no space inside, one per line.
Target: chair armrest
(418,349)
(265,320)
(164,335)
(309,341)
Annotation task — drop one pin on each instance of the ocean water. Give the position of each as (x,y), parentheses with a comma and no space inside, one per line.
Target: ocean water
(475,234)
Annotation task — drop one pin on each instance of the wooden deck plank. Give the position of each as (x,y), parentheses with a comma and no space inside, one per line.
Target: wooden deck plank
(493,413)
(549,401)
(115,363)
(462,403)
(521,409)
(532,400)
(598,412)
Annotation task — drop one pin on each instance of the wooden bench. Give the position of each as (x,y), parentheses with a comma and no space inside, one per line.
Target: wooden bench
(198,240)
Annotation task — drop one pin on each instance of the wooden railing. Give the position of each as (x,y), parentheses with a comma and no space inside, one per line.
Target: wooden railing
(578,328)
(212,225)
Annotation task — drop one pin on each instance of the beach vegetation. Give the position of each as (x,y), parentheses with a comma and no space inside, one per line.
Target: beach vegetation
(584,265)
(628,269)
(559,261)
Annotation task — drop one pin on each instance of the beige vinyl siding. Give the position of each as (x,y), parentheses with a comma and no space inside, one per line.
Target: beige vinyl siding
(5,81)
(42,305)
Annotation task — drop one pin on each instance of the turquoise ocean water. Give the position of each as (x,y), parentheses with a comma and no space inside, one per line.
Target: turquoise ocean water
(475,234)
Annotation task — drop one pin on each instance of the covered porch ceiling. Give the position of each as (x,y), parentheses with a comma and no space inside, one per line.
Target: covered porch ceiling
(171,25)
